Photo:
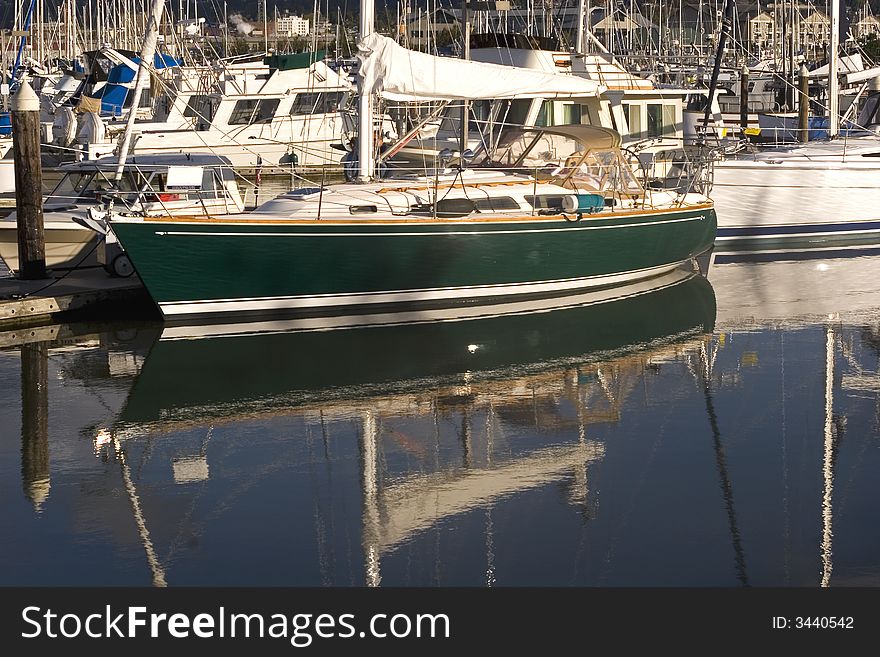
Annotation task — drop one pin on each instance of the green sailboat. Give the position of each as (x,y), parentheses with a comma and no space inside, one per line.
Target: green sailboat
(466,236)
(543,212)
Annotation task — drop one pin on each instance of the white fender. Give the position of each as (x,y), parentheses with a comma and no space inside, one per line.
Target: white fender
(64,127)
(92,129)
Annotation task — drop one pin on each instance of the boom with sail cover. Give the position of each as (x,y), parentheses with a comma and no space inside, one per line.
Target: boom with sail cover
(399,74)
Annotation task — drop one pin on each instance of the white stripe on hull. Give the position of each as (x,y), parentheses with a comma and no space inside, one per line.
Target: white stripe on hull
(458,313)
(390,297)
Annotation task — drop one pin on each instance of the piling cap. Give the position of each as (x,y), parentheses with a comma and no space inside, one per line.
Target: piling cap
(25,99)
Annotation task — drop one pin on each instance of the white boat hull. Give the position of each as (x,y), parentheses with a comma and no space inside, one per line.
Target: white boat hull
(67,245)
(778,204)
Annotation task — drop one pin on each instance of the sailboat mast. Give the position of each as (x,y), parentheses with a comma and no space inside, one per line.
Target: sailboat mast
(579,34)
(148,51)
(833,91)
(25,28)
(726,21)
(265,29)
(466,54)
(366,157)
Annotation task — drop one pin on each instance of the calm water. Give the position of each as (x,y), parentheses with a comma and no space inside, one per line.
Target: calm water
(720,433)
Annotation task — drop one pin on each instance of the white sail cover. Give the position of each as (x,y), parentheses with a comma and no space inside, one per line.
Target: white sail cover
(846,64)
(399,74)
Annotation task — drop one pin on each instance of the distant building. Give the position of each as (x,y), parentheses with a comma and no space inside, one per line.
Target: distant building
(808,28)
(813,34)
(424,27)
(866,27)
(290,26)
(323,27)
(762,31)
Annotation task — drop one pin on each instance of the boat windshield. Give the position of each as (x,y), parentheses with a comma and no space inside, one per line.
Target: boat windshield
(90,186)
(600,171)
(70,187)
(564,160)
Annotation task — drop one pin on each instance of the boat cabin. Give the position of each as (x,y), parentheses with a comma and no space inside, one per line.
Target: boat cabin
(277,111)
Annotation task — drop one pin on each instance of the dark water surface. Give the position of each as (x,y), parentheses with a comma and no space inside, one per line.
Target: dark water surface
(704,433)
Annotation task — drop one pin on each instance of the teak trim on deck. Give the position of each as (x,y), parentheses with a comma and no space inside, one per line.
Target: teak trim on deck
(419,220)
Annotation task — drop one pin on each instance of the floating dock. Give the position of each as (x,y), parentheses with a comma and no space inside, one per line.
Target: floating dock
(79,294)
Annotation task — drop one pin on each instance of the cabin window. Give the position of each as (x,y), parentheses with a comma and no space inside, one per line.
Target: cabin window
(518,112)
(696,103)
(201,108)
(333,100)
(146,99)
(654,113)
(318,102)
(571,114)
(545,114)
(211,188)
(211,183)
(503,113)
(589,116)
(103,183)
(633,114)
(495,204)
(253,110)
(661,120)
(669,127)
(168,99)
(479,114)
(450,118)
(868,114)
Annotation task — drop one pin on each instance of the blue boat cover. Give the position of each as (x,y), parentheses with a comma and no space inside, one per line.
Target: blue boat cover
(119,82)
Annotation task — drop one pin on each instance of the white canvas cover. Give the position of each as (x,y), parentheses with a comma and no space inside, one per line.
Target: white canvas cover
(846,64)
(399,74)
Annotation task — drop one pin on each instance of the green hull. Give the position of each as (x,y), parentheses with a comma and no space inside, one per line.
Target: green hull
(215,268)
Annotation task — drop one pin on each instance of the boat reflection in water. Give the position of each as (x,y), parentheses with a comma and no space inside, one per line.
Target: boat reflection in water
(718,433)
(424,419)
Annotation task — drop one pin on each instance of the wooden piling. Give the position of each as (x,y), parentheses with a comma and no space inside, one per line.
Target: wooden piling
(28,183)
(804,105)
